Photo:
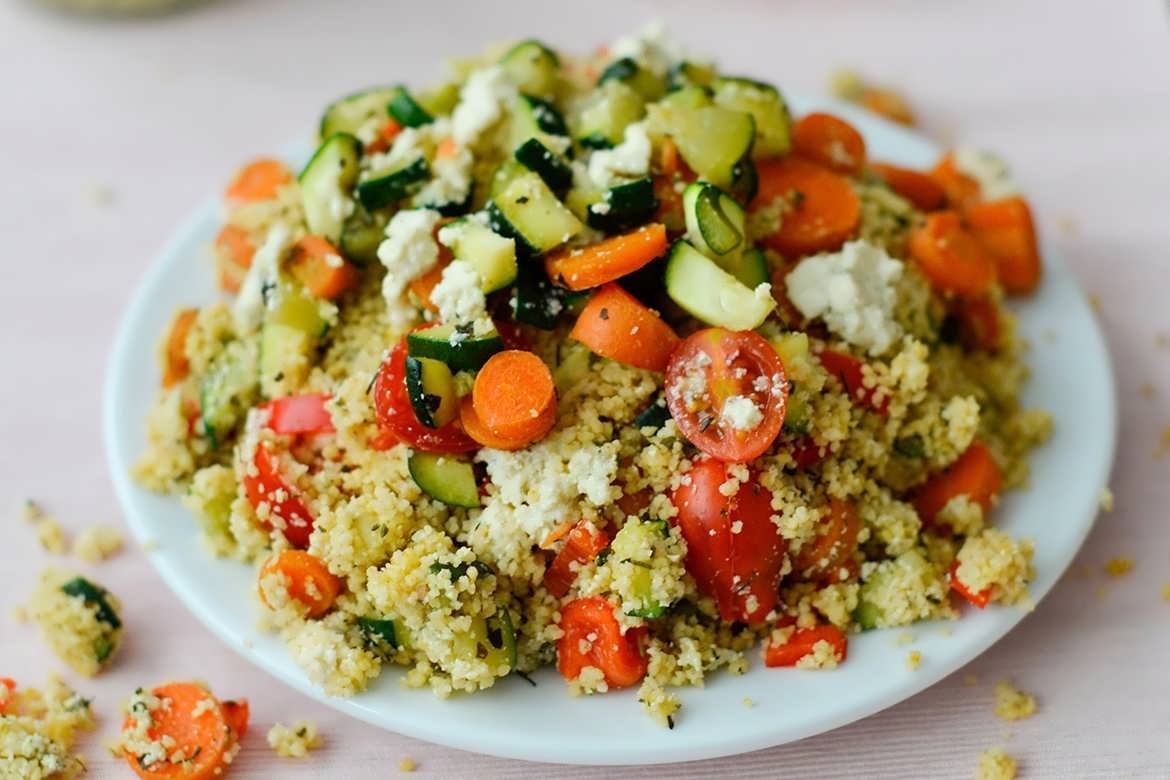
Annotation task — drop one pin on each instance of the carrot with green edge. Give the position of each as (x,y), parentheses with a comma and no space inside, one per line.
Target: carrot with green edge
(513,394)
(258,180)
(829,141)
(233,257)
(236,713)
(614,324)
(950,257)
(191,722)
(307,580)
(803,643)
(176,365)
(319,266)
(584,542)
(1005,229)
(961,190)
(592,266)
(475,428)
(915,186)
(975,475)
(821,212)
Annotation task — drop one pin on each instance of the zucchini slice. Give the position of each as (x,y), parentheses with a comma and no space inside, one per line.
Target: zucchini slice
(697,284)
(623,206)
(715,222)
(492,255)
(686,73)
(533,68)
(406,111)
(284,358)
(555,172)
(711,139)
(327,185)
(351,112)
(647,84)
(445,478)
(767,107)
(460,350)
(573,361)
(691,96)
(228,390)
(94,596)
(536,118)
(653,416)
(527,210)
(536,301)
(430,387)
(607,112)
(362,233)
(385,187)
(750,267)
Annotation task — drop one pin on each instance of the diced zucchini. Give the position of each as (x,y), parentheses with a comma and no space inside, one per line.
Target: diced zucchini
(536,118)
(362,233)
(649,85)
(766,105)
(549,166)
(608,111)
(715,222)
(749,267)
(441,100)
(492,639)
(687,73)
(492,255)
(867,615)
(624,206)
(353,111)
(711,139)
(536,301)
(744,180)
(634,545)
(228,390)
(430,387)
(527,210)
(464,352)
(445,478)
(382,188)
(296,308)
(689,97)
(697,284)
(284,358)
(327,185)
(653,416)
(504,174)
(533,68)
(406,111)
(94,596)
(380,635)
(573,359)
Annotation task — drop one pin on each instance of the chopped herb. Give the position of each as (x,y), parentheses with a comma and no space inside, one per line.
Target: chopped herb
(93,596)
(378,631)
(524,676)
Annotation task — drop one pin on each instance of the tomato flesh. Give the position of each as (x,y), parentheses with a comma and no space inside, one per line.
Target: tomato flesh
(848,371)
(829,557)
(734,550)
(802,642)
(592,637)
(396,415)
(714,365)
(300,414)
(582,545)
(268,486)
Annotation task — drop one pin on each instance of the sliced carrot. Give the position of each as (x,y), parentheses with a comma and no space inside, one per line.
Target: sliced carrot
(594,265)
(233,257)
(1005,229)
(236,712)
(177,366)
(513,393)
(919,188)
(803,642)
(385,138)
(193,729)
(824,210)
(319,266)
(975,475)
(309,581)
(475,428)
(258,180)
(978,323)
(583,544)
(950,257)
(961,189)
(615,325)
(829,141)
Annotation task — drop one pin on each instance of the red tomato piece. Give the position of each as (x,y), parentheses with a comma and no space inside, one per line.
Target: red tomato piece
(734,550)
(805,452)
(979,599)
(268,486)
(293,414)
(711,367)
(802,642)
(592,637)
(584,542)
(396,415)
(823,558)
(848,371)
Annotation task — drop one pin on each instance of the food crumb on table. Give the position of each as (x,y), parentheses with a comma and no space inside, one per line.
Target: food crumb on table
(1147,390)
(1105,499)
(1164,443)
(294,741)
(1118,566)
(996,764)
(52,536)
(1012,704)
(749,702)
(97,543)
(913,660)
(970,679)
(407,765)
(1166,591)
(905,638)
(78,618)
(31,511)
(37,729)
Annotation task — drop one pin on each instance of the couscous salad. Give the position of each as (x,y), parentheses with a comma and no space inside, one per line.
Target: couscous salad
(607,363)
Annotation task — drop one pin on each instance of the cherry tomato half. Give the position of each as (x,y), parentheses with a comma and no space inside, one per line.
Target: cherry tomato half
(592,637)
(268,486)
(727,392)
(396,415)
(734,550)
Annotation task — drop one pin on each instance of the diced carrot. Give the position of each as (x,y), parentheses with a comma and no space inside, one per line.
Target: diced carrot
(591,636)
(594,265)
(669,159)
(258,180)
(513,393)
(824,211)
(829,141)
(308,580)
(615,325)
(177,366)
(7,686)
(849,371)
(978,323)
(975,475)
(1005,229)
(803,642)
(950,257)
(919,188)
(978,599)
(192,729)
(319,266)
(422,286)
(962,191)
(447,148)
(385,138)
(233,257)
(583,544)
(383,440)
(888,103)
(236,712)
(475,428)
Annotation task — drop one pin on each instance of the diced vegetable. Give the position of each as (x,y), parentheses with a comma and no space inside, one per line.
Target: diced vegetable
(445,478)
(528,211)
(460,350)
(514,395)
(716,142)
(533,67)
(803,643)
(715,222)
(829,141)
(385,187)
(767,107)
(582,545)
(623,206)
(612,107)
(228,390)
(821,210)
(300,414)
(350,113)
(491,255)
(697,284)
(430,387)
(266,486)
(176,365)
(591,636)
(1005,229)
(319,266)
(615,325)
(307,580)
(258,180)
(613,258)
(405,110)
(327,184)
(976,475)
(951,257)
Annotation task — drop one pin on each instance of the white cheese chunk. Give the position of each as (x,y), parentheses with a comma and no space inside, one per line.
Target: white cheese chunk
(408,251)
(450,180)
(652,48)
(484,98)
(629,159)
(995,180)
(741,413)
(248,309)
(460,299)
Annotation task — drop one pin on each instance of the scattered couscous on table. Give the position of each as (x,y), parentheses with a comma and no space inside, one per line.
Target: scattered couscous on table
(607,363)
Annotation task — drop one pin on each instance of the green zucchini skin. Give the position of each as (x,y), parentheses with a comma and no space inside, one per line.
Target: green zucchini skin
(384,189)
(405,109)
(445,478)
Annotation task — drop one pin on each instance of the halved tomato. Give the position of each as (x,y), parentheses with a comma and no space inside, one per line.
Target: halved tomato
(396,415)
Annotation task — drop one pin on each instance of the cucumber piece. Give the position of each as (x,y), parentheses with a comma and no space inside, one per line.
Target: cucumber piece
(445,478)
(295,308)
(711,139)
(536,118)
(533,68)
(327,185)
(573,361)
(607,112)
(555,172)
(284,358)
(750,267)
(464,353)
(797,417)
(380,634)
(536,301)
(406,111)
(430,387)
(504,174)
(351,112)
(767,107)
(715,222)
(686,73)
(492,255)
(94,596)
(688,97)
(646,83)
(624,206)
(385,187)
(697,284)
(653,416)
(362,234)
(228,390)
(527,210)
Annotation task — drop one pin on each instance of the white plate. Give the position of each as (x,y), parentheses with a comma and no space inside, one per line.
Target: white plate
(1071,377)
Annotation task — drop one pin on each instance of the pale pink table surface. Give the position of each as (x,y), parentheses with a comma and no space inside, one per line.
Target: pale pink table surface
(1075,94)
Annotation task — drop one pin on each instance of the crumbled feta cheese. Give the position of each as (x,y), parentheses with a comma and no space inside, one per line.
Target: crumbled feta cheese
(408,251)
(741,413)
(852,291)
(485,96)
(450,181)
(653,48)
(458,295)
(995,180)
(248,310)
(629,159)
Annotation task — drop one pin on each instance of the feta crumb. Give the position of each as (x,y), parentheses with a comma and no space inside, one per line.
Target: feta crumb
(652,48)
(482,101)
(995,180)
(741,413)
(458,295)
(408,252)
(294,741)
(629,159)
(248,309)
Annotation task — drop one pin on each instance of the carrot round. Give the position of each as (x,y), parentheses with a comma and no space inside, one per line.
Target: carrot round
(199,731)
(829,141)
(1005,229)
(176,365)
(615,325)
(919,188)
(309,582)
(513,394)
(961,189)
(975,475)
(950,257)
(475,428)
(258,180)
(823,212)
(592,266)
(319,266)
